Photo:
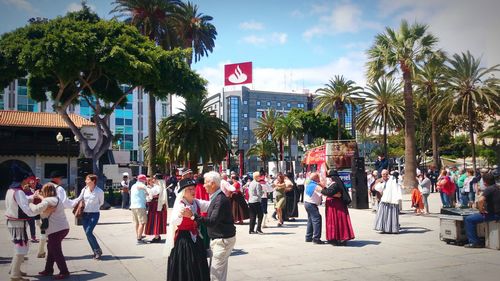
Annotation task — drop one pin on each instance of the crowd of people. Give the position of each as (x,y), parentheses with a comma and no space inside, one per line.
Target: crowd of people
(201,225)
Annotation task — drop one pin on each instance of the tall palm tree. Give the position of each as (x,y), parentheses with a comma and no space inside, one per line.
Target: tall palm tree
(194,30)
(430,82)
(265,127)
(401,51)
(195,133)
(151,17)
(265,150)
(473,88)
(288,127)
(336,96)
(382,108)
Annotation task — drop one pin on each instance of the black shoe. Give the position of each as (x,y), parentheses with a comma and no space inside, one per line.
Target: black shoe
(472,245)
(319,242)
(252,232)
(309,240)
(156,240)
(274,217)
(333,242)
(260,232)
(342,243)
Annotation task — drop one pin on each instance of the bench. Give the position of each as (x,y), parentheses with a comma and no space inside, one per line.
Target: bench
(493,235)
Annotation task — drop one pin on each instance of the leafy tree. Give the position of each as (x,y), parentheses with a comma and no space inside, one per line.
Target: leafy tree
(151,17)
(194,133)
(336,96)
(401,51)
(473,89)
(265,150)
(80,57)
(288,127)
(194,30)
(382,108)
(318,125)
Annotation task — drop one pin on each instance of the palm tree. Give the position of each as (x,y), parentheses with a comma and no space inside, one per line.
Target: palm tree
(265,127)
(194,30)
(336,96)
(195,133)
(473,88)
(430,80)
(401,51)
(288,127)
(382,108)
(151,17)
(265,150)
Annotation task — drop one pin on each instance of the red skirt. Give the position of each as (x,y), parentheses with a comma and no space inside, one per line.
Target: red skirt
(157,220)
(239,207)
(338,222)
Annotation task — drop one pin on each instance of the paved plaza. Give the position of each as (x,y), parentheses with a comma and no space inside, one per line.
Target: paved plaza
(280,254)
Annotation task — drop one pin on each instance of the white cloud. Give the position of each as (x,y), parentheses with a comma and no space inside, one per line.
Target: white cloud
(77,6)
(275,38)
(460,25)
(344,18)
(297,14)
(251,25)
(292,79)
(21,5)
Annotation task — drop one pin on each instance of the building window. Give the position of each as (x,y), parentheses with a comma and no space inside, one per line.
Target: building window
(234,104)
(164,110)
(245,115)
(278,104)
(259,114)
(123,122)
(245,141)
(245,128)
(258,102)
(268,103)
(245,102)
(288,105)
(300,105)
(24,103)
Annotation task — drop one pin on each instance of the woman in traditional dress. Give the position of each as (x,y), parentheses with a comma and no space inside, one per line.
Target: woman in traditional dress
(157,209)
(239,205)
(387,218)
(291,193)
(187,259)
(337,219)
(279,188)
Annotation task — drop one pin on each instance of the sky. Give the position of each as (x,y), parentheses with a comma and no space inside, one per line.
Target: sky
(301,44)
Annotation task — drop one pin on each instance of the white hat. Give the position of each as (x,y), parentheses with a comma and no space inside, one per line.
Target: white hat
(125,174)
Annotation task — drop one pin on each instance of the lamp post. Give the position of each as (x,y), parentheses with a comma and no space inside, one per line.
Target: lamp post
(60,138)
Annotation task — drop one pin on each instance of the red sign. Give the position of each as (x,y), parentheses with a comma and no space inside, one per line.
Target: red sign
(238,73)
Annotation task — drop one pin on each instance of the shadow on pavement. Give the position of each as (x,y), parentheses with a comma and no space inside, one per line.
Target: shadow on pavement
(86,275)
(361,243)
(238,252)
(5,260)
(412,229)
(277,233)
(104,257)
(111,223)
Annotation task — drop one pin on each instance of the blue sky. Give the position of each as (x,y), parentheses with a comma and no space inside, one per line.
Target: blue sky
(296,45)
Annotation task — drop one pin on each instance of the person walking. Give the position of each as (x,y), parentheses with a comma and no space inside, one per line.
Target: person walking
(124,190)
(93,197)
(433,175)
(280,204)
(220,225)
(57,229)
(254,202)
(138,193)
(312,200)
(425,185)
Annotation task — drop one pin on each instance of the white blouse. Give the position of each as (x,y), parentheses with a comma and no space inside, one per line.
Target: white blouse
(93,199)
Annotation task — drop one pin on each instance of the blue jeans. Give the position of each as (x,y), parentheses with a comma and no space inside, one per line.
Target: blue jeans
(89,222)
(263,204)
(465,198)
(472,220)
(445,199)
(313,222)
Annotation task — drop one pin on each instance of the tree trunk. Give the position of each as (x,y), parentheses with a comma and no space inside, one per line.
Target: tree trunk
(410,180)
(152,134)
(338,126)
(385,136)
(471,134)
(290,152)
(435,145)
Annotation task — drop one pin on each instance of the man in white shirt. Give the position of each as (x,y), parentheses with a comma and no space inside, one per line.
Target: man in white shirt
(124,190)
(312,200)
(300,185)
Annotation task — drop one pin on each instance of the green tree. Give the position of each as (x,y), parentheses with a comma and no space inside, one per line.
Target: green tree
(473,88)
(401,51)
(336,96)
(80,57)
(265,150)
(195,133)
(430,82)
(288,127)
(194,30)
(151,17)
(382,108)
(318,125)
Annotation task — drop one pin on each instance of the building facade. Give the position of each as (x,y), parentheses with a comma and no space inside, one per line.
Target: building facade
(129,123)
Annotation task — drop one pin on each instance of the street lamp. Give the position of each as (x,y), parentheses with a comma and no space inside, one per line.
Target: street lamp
(60,138)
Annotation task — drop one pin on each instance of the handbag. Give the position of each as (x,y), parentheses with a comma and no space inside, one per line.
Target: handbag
(79,207)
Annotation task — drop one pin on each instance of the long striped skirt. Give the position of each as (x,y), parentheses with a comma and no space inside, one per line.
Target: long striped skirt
(157,220)
(387,219)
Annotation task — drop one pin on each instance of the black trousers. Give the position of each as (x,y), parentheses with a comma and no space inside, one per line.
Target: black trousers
(255,210)
(301,193)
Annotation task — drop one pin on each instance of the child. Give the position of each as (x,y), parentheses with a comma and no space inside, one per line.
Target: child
(416,200)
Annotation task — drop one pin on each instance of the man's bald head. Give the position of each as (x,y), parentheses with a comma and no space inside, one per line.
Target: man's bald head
(315,177)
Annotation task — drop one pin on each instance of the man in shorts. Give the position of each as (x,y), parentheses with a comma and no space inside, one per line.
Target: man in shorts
(138,194)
